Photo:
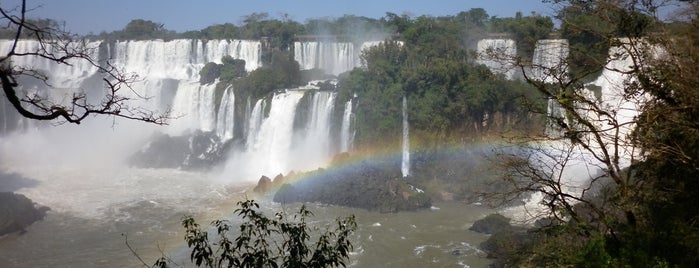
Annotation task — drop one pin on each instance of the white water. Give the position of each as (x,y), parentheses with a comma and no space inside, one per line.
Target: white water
(170,71)
(226,116)
(255,122)
(581,166)
(314,142)
(346,135)
(405,162)
(332,57)
(269,150)
(498,55)
(549,62)
(549,65)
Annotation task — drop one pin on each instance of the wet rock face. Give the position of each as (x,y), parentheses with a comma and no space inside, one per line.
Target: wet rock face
(263,185)
(196,150)
(369,185)
(491,224)
(17,212)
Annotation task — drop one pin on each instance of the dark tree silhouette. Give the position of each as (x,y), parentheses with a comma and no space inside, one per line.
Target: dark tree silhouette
(60,47)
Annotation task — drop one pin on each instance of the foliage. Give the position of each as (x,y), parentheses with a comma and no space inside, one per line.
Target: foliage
(139,29)
(448,96)
(524,30)
(638,211)
(261,241)
(281,72)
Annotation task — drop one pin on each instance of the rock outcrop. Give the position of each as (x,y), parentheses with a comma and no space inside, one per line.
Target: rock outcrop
(17,212)
(369,185)
(196,150)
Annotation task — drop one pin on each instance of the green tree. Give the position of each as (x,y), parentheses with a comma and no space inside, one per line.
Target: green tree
(261,241)
(524,30)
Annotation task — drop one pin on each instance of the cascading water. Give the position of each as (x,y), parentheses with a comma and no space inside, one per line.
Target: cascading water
(575,174)
(549,61)
(498,55)
(333,57)
(74,77)
(225,121)
(313,142)
(549,65)
(405,162)
(254,123)
(171,74)
(268,149)
(346,136)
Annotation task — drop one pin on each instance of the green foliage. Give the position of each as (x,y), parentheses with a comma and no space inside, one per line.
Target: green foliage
(232,68)
(281,72)
(209,73)
(261,241)
(140,29)
(9,30)
(448,96)
(647,214)
(524,30)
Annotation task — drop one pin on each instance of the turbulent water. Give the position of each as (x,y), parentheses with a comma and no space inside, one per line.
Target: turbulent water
(94,208)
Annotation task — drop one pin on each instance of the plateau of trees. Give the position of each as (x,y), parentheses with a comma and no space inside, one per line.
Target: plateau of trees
(637,142)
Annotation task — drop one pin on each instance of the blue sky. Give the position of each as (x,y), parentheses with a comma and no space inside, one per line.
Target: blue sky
(84,16)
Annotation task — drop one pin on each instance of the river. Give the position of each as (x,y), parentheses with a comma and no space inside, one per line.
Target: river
(94,210)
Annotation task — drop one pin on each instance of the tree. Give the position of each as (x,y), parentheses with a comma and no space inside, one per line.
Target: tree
(267,242)
(617,168)
(56,46)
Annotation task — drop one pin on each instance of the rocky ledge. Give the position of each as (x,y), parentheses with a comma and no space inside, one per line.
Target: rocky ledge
(191,151)
(371,185)
(17,212)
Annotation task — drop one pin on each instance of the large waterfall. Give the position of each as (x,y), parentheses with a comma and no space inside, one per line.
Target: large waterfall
(170,73)
(498,55)
(269,138)
(611,111)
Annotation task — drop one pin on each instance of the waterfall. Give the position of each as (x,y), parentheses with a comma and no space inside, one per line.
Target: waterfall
(550,65)
(405,163)
(170,73)
(214,50)
(313,142)
(269,147)
(549,61)
(254,122)
(332,57)
(497,55)
(346,138)
(225,122)
(168,77)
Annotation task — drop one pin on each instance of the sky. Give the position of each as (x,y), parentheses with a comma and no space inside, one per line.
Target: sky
(95,16)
